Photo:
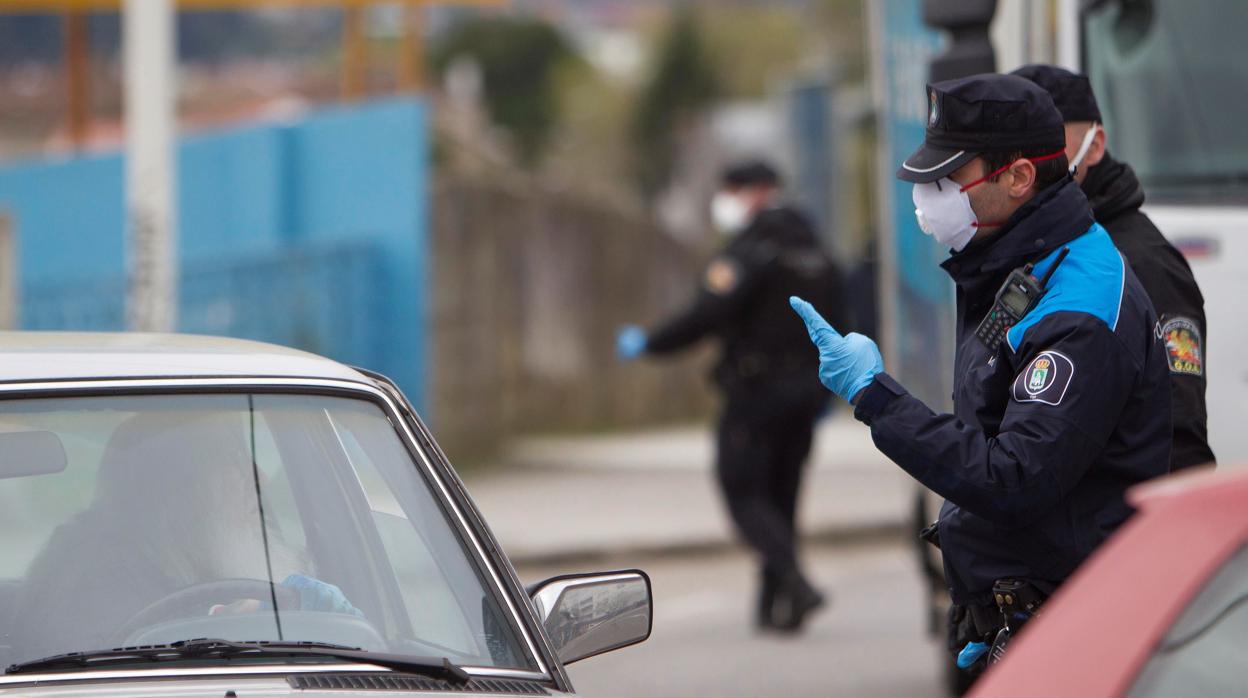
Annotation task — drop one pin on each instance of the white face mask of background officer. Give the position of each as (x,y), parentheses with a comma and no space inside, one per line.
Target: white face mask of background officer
(1084,147)
(730,213)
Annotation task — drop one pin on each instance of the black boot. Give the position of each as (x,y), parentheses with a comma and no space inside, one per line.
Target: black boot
(769,584)
(795,600)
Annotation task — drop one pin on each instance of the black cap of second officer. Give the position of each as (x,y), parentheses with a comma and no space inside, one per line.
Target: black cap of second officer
(981,114)
(750,173)
(1071,92)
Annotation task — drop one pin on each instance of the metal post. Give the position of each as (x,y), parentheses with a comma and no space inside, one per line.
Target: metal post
(148,33)
(8,274)
(1068,37)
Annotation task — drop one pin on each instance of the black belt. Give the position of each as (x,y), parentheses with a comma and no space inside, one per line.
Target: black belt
(1014,598)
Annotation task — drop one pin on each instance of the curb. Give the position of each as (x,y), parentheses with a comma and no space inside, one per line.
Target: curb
(890,531)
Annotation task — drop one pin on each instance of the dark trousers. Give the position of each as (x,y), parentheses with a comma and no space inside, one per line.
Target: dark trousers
(763,442)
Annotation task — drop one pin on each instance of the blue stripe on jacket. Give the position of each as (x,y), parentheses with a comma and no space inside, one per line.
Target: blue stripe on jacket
(1090,280)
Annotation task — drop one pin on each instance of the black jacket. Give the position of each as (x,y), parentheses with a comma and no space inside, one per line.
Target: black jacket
(1051,427)
(743,301)
(1116,197)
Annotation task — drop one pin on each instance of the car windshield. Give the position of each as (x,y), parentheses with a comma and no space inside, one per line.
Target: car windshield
(140,520)
(1170,80)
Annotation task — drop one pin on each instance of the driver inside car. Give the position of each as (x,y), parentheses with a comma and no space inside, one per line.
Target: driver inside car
(174,508)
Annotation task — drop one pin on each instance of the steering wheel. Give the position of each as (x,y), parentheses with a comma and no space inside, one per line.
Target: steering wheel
(198,598)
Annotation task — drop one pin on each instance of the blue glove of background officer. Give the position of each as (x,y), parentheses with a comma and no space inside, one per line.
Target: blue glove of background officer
(630,342)
(846,364)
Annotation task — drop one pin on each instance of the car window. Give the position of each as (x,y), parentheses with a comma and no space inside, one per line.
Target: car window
(429,588)
(246,517)
(1202,654)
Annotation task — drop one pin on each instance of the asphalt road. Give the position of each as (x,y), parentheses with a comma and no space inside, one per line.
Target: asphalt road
(869,642)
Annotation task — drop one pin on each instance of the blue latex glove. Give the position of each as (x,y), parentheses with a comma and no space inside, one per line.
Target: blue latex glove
(971,654)
(846,364)
(630,342)
(315,595)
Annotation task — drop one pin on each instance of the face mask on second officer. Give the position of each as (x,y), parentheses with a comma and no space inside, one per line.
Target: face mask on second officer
(745,191)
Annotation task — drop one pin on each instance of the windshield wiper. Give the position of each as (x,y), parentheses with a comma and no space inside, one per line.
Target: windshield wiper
(205,648)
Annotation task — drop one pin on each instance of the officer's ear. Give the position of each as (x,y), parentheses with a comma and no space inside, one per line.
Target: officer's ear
(1096,152)
(1022,178)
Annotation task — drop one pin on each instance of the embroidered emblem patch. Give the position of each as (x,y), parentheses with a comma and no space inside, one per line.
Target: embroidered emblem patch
(722,276)
(933,113)
(1045,379)
(1183,346)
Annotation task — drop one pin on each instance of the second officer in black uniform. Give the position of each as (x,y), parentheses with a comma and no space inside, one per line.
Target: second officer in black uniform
(772,398)
(1116,196)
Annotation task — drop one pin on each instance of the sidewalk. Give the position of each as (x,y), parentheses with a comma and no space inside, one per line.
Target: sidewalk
(645,493)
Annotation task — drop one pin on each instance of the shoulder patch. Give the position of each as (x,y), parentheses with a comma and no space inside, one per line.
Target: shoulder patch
(1045,379)
(722,276)
(1184,351)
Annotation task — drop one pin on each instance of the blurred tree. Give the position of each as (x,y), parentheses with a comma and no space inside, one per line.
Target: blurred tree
(519,59)
(754,46)
(682,85)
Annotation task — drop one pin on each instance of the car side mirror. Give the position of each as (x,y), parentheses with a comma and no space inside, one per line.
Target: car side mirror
(587,614)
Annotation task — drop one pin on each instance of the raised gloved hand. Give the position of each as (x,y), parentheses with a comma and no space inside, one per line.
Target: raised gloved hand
(630,342)
(846,364)
(315,595)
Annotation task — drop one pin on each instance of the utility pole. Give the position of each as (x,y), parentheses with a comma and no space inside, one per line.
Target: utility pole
(151,174)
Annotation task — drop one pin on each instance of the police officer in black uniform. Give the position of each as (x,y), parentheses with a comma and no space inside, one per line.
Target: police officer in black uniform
(772,399)
(1116,197)
(1061,388)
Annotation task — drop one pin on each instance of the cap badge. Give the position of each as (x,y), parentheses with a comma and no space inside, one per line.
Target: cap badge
(933,113)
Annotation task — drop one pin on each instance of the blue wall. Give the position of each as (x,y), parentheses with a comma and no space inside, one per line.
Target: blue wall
(312,233)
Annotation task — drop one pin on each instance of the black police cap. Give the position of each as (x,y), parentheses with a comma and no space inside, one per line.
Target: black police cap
(985,113)
(1071,92)
(750,173)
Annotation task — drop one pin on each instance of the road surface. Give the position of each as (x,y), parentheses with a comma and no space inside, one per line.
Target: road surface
(869,642)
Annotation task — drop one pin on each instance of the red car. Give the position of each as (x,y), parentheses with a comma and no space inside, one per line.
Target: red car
(1160,610)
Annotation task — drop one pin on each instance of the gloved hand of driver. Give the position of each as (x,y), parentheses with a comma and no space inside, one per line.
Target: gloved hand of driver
(846,364)
(630,342)
(315,595)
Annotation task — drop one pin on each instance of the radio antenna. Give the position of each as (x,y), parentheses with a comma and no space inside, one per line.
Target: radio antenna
(1053,267)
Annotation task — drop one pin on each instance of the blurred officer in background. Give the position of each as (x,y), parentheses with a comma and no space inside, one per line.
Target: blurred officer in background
(772,398)
(1116,197)
(1061,389)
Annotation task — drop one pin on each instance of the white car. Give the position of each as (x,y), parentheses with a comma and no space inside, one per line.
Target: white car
(201,516)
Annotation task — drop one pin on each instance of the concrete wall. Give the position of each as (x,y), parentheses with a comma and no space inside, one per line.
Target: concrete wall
(530,288)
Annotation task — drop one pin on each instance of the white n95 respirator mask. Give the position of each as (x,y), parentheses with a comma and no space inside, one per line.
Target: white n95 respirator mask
(943,210)
(729,213)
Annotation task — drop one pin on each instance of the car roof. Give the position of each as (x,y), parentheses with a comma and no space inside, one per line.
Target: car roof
(48,356)
(1194,484)
(1103,624)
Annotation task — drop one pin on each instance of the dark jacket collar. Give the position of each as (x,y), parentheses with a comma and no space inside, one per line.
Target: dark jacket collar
(1113,189)
(1053,218)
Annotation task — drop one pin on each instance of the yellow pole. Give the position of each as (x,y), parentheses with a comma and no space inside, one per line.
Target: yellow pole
(412,48)
(354,55)
(77,68)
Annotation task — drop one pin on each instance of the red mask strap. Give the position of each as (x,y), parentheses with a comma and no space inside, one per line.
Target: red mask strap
(999,170)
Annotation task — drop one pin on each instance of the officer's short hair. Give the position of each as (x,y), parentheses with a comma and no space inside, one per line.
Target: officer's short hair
(1049,171)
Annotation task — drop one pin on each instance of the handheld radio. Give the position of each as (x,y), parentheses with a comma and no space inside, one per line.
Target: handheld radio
(1018,295)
